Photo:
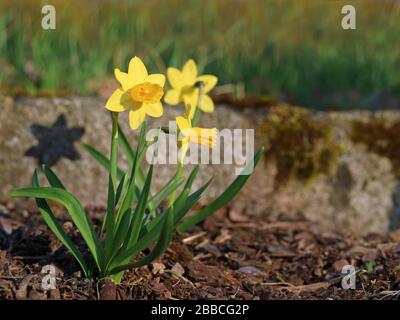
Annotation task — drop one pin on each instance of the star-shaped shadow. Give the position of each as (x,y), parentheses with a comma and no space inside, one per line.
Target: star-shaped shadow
(55,142)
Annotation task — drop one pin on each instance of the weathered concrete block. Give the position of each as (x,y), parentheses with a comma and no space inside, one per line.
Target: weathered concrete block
(359,197)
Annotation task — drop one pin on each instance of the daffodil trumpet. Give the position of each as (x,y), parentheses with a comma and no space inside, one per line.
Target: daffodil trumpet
(135,219)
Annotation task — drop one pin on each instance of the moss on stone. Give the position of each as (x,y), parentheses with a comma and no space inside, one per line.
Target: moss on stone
(301,146)
(380,137)
(248,102)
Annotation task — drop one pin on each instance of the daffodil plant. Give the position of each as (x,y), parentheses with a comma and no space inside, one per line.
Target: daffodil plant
(137,220)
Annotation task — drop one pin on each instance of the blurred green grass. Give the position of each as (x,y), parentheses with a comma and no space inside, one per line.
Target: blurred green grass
(294,49)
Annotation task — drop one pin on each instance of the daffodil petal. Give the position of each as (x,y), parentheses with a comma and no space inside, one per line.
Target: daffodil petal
(124,79)
(136,117)
(191,98)
(189,71)
(206,137)
(209,82)
(189,111)
(206,104)
(154,109)
(183,123)
(137,70)
(156,78)
(172,97)
(116,102)
(183,149)
(175,78)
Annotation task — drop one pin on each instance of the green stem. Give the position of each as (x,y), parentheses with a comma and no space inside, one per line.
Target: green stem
(196,115)
(113,166)
(114,149)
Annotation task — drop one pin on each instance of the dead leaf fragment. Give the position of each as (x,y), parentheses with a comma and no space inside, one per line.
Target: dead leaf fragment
(178,269)
(236,216)
(158,267)
(224,236)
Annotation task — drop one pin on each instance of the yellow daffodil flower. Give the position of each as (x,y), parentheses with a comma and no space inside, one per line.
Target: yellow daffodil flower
(185,89)
(140,93)
(206,137)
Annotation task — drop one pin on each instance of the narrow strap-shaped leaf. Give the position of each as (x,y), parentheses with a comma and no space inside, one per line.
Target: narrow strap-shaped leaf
(178,204)
(161,246)
(102,159)
(120,188)
(126,204)
(140,208)
(128,197)
(182,207)
(170,187)
(224,198)
(109,219)
(130,154)
(52,177)
(130,194)
(76,212)
(56,228)
(122,230)
(192,177)
(129,253)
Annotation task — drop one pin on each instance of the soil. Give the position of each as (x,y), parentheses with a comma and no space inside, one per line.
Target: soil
(229,256)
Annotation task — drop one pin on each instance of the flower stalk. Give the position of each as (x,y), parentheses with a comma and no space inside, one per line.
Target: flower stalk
(114,149)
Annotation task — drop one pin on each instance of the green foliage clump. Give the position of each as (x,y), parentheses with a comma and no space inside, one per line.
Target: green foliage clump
(300,146)
(266,45)
(379,137)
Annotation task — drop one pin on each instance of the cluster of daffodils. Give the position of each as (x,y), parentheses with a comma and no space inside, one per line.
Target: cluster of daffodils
(137,220)
(141,93)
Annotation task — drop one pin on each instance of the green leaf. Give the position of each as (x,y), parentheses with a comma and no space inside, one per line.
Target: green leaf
(183,207)
(124,256)
(120,188)
(170,187)
(161,246)
(224,198)
(56,228)
(76,212)
(102,159)
(122,230)
(52,177)
(129,196)
(130,154)
(192,177)
(140,208)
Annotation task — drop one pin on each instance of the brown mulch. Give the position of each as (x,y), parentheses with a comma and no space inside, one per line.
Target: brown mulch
(230,256)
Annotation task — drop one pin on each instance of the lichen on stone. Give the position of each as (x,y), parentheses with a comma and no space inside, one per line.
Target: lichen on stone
(300,146)
(380,137)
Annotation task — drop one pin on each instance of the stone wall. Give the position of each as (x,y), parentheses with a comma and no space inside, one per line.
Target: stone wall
(360,196)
